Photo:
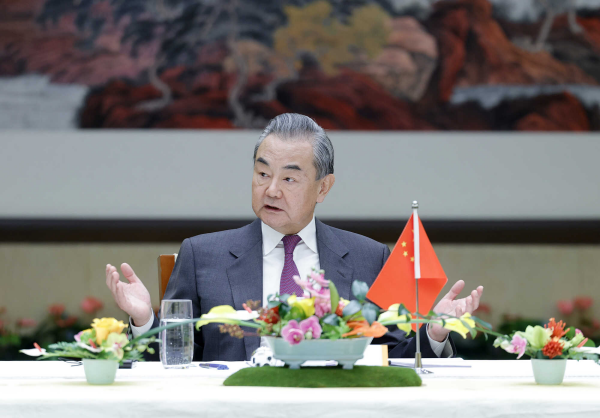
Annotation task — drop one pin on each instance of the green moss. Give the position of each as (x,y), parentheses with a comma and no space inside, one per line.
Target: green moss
(324,377)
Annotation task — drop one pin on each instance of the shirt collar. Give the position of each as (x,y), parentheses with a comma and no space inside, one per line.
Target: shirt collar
(271,237)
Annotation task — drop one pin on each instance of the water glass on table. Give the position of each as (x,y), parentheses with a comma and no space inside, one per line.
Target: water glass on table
(177,343)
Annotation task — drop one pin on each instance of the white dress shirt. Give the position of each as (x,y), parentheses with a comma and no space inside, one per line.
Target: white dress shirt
(306,256)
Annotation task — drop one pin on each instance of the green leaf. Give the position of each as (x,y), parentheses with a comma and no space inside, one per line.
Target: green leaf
(296,312)
(331,319)
(284,309)
(402,310)
(370,312)
(273,303)
(589,343)
(284,298)
(334,295)
(353,307)
(359,290)
(570,334)
(483,323)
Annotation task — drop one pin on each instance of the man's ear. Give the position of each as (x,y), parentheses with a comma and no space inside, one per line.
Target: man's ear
(325,187)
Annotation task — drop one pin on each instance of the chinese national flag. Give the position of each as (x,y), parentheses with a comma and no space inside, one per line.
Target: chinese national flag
(396,282)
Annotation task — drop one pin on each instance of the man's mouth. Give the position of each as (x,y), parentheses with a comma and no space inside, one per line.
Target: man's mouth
(273,208)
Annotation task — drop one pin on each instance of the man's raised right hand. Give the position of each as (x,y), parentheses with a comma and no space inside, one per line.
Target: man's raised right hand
(132,297)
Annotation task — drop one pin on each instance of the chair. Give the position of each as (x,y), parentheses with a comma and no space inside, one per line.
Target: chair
(166,262)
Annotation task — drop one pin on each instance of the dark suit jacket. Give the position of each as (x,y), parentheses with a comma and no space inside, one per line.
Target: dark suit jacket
(226,268)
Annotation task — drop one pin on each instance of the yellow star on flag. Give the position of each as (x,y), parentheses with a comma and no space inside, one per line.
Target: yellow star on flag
(404,244)
(405,253)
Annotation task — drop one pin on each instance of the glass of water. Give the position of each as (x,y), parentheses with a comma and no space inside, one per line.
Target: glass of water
(177,343)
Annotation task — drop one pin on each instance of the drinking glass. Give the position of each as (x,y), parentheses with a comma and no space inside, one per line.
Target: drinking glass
(177,343)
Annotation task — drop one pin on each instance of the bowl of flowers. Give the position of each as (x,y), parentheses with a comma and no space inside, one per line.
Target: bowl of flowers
(321,325)
(549,348)
(101,348)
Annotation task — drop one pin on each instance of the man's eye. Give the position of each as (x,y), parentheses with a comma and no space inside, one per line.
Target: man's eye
(263,174)
(289,179)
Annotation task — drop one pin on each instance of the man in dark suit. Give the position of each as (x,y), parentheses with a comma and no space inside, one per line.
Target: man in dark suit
(293,171)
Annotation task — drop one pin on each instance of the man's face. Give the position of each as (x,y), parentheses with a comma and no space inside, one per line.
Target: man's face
(284,189)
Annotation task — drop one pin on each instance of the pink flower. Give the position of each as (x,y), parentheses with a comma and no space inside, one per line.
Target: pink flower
(317,288)
(583,302)
(57,309)
(292,333)
(565,307)
(311,328)
(577,331)
(91,305)
(517,345)
(26,323)
(322,307)
(319,278)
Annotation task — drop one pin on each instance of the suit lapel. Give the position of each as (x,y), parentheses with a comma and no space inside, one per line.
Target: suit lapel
(246,274)
(331,258)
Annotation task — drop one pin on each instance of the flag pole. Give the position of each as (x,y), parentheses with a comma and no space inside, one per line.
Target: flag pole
(417,247)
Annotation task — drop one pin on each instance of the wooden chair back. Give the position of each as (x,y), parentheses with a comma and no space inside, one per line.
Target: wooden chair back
(166,262)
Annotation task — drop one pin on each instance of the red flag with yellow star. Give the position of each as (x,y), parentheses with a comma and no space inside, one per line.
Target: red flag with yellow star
(396,282)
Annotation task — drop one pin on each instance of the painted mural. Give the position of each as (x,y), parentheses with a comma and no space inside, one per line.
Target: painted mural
(462,65)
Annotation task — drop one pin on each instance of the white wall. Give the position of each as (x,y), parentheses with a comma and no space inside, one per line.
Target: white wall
(206,174)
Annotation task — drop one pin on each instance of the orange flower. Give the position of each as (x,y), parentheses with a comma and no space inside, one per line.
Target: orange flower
(363,329)
(553,348)
(557,329)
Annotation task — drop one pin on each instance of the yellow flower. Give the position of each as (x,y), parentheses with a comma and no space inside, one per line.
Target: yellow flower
(307,305)
(225,314)
(456,324)
(392,315)
(106,326)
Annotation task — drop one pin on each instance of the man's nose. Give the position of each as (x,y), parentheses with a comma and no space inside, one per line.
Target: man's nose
(274,190)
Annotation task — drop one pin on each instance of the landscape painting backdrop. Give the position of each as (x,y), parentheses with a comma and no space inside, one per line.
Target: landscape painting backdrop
(507,65)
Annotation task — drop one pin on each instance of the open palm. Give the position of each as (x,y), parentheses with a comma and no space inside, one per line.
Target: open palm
(131,297)
(455,307)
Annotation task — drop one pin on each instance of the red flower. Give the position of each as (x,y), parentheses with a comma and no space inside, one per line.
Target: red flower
(270,316)
(583,302)
(483,307)
(553,348)
(26,323)
(57,309)
(558,329)
(91,305)
(66,323)
(565,307)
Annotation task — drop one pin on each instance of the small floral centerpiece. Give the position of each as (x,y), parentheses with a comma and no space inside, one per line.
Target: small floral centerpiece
(323,315)
(102,346)
(549,347)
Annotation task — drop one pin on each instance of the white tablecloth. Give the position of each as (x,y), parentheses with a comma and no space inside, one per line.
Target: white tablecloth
(486,389)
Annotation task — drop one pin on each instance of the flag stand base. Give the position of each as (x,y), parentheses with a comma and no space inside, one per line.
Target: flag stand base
(419,365)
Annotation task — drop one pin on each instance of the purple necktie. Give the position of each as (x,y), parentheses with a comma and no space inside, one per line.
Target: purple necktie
(287,283)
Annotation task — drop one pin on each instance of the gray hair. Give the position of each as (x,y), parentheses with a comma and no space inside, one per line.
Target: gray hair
(292,126)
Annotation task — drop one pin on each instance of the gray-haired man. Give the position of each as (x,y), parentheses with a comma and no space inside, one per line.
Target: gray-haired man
(293,171)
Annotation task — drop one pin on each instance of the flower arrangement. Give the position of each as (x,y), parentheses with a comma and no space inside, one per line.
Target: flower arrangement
(58,325)
(322,314)
(552,341)
(105,340)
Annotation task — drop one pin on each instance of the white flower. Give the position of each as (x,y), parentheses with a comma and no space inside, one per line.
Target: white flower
(586,350)
(89,347)
(34,352)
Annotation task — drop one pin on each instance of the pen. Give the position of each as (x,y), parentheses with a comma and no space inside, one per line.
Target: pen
(213,366)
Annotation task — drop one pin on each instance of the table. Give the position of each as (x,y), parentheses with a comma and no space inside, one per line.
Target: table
(492,389)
